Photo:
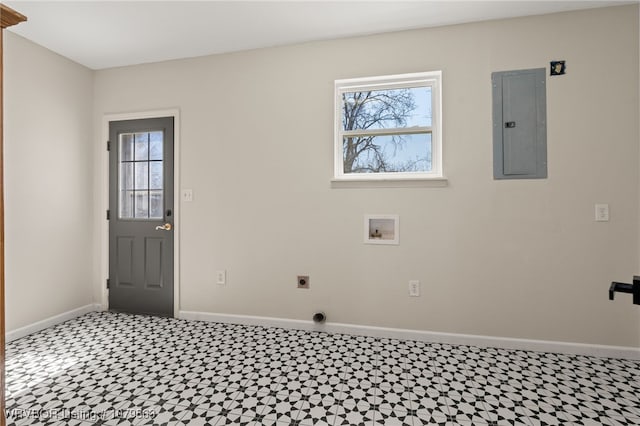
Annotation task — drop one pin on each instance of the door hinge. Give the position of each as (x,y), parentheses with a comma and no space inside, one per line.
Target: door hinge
(108,214)
(108,283)
(108,145)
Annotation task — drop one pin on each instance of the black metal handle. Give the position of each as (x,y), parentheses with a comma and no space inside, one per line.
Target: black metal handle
(620,288)
(634,289)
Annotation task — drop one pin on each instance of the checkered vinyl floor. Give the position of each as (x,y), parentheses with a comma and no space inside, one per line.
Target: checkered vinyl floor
(116,369)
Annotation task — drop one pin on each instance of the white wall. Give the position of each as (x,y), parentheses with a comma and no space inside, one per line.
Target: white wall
(49,176)
(504,258)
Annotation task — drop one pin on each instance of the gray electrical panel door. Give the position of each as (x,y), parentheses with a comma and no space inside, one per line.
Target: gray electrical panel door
(519,124)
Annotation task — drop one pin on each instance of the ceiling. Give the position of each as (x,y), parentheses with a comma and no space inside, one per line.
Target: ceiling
(106,34)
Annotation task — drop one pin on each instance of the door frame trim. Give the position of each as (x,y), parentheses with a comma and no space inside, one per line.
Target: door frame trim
(104,199)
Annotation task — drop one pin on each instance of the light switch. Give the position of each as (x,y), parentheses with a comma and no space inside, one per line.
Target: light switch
(602,212)
(187,195)
(414,288)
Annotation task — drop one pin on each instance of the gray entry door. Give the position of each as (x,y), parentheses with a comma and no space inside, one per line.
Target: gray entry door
(141,216)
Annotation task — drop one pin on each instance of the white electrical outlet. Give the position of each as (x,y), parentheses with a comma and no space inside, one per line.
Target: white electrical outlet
(221,277)
(414,288)
(187,195)
(602,212)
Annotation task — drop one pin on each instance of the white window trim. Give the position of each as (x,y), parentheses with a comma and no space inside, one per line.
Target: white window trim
(432,79)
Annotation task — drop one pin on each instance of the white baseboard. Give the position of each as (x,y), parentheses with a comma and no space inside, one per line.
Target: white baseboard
(424,336)
(51,321)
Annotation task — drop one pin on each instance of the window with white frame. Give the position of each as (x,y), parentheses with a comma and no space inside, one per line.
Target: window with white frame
(389,127)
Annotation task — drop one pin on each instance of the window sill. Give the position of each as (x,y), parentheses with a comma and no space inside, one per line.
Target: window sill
(390,183)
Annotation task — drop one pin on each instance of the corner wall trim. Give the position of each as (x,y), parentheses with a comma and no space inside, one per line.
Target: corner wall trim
(51,321)
(623,352)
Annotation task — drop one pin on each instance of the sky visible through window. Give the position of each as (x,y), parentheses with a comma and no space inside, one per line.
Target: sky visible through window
(387,109)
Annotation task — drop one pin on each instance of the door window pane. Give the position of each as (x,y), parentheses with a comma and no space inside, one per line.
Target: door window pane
(155,204)
(126,176)
(142,146)
(126,147)
(155,145)
(141,176)
(155,175)
(126,204)
(142,204)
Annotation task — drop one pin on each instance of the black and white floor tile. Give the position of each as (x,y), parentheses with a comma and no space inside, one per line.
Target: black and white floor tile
(116,369)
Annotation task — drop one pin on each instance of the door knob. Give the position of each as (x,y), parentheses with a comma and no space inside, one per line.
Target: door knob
(165,227)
